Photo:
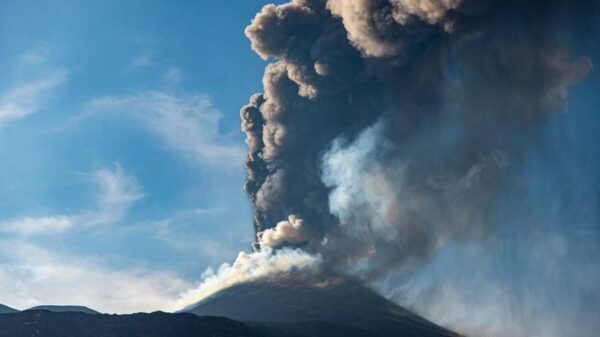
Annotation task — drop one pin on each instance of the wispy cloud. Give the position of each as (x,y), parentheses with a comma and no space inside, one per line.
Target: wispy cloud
(28,98)
(33,57)
(31,225)
(188,123)
(30,275)
(117,192)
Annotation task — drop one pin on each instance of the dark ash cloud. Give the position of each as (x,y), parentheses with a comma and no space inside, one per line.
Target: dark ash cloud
(390,128)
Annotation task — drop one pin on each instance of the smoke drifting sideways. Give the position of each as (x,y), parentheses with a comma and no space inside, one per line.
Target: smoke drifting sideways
(417,145)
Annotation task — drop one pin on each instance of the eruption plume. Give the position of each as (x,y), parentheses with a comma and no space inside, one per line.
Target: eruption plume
(391,133)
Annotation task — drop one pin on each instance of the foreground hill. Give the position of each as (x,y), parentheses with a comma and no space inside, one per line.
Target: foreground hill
(65,308)
(7,310)
(339,301)
(42,323)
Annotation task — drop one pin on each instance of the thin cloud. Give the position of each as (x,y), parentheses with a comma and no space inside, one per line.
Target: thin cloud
(33,276)
(32,57)
(31,225)
(118,191)
(28,98)
(188,123)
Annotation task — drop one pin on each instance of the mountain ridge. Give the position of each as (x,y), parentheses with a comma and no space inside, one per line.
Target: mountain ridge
(42,323)
(339,301)
(65,308)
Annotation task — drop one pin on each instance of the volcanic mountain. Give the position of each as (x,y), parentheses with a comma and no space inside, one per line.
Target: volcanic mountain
(337,301)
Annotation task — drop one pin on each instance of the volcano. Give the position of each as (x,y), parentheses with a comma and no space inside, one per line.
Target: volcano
(337,301)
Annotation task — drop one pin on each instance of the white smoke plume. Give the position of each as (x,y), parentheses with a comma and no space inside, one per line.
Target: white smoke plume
(286,232)
(249,267)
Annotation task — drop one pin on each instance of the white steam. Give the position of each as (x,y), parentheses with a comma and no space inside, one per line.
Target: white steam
(249,267)
(291,231)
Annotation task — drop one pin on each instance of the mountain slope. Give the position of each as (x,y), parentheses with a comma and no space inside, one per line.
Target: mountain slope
(65,308)
(7,310)
(308,329)
(344,302)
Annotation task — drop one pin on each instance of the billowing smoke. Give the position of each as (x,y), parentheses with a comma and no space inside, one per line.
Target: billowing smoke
(391,132)
(389,127)
(253,266)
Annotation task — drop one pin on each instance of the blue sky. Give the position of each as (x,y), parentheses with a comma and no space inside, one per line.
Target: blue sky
(115,120)
(121,167)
